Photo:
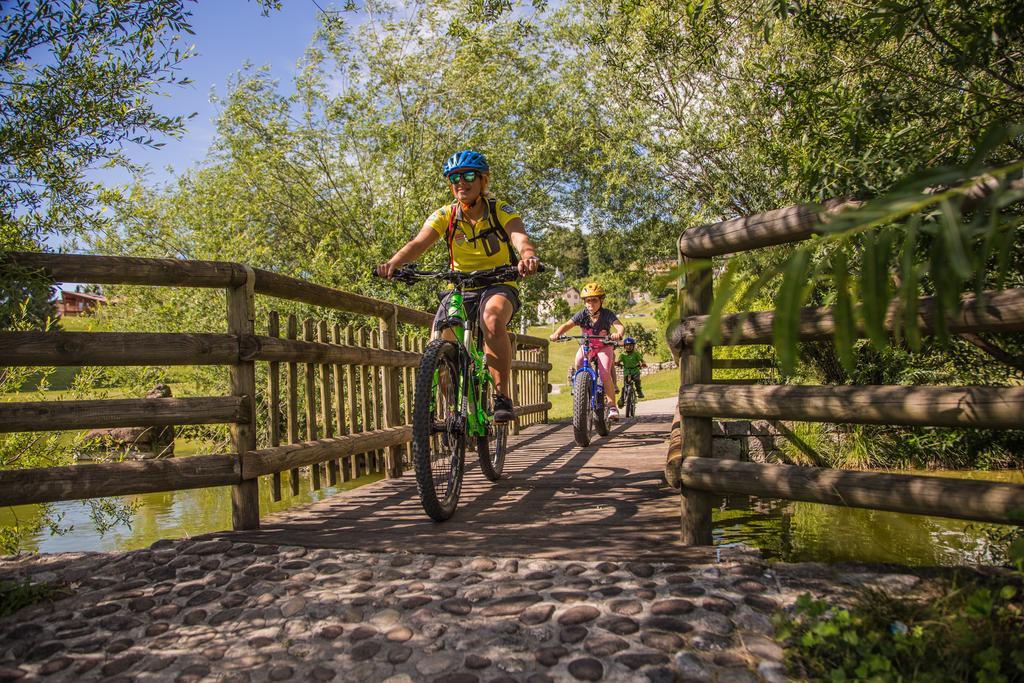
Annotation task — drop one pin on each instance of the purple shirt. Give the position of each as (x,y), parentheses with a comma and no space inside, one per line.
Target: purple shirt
(605,319)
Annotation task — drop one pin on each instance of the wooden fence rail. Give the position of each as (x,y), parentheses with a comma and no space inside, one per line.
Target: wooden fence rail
(350,406)
(689,463)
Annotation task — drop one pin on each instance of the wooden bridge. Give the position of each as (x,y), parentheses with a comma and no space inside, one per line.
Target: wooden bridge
(344,410)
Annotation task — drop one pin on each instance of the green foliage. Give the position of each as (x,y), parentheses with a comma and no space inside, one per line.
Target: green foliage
(16,595)
(646,341)
(971,632)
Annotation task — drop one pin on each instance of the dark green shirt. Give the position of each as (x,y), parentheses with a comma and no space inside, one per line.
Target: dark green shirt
(631,362)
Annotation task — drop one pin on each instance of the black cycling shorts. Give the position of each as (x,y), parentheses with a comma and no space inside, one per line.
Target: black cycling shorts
(475,301)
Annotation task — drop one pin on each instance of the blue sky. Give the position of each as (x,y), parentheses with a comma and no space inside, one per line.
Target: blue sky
(227,34)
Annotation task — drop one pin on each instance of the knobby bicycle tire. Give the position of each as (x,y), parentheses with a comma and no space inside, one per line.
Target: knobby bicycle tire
(491,448)
(440,470)
(630,400)
(581,409)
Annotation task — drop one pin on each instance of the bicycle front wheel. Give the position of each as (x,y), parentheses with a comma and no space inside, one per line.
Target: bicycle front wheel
(438,430)
(581,409)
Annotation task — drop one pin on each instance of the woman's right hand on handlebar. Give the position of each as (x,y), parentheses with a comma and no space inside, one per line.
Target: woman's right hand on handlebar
(386,269)
(554,337)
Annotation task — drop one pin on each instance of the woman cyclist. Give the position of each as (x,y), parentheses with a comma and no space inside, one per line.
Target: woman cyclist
(596,320)
(480,232)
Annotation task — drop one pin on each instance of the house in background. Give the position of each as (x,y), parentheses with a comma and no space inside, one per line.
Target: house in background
(78,303)
(546,308)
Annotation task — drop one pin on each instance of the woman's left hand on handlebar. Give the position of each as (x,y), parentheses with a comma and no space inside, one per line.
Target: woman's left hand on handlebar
(528,266)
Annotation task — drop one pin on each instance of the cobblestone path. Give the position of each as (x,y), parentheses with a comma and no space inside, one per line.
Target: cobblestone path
(217,610)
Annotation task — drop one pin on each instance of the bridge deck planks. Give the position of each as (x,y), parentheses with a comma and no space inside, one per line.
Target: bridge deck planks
(606,501)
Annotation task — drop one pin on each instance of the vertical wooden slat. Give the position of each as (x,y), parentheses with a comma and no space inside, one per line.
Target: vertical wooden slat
(352,396)
(365,415)
(339,406)
(293,403)
(311,428)
(241,313)
(392,415)
(325,401)
(544,377)
(407,345)
(274,404)
(377,399)
(695,368)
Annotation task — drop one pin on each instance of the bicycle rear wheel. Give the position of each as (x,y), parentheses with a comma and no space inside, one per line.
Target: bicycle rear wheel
(439,465)
(600,415)
(630,400)
(581,409)
(491,448)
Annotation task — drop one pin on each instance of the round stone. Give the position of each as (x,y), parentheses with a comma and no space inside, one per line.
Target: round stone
(672,607)
(475,661)
(686,591)
(294,564)
(586,669)
(203,597)
(482,564)
(609,591)
(538,576)
(636,660)
(645,593)
(457,677)
(760,602)
(119,645)
(674,579)
(399,634)
(710,641)
(604,644)
(457,606)
(607,567)
(749,586)
(101,610)
(207,548)
(626,606)
(192,673)
(385,618)
(414,601)
(362,633)
(225,615)
(44,650)
(398,654)
(479,593)
(539,677)
(157,629)
(365,650)
(619,625)
(672,624)
(293,607)
(641,569)
(717,604)
(659,640)
(549,656)
(437,663)
(691,667)
(280,672)
(580,614)
(570,596)
(54,665)
(143,604)
(196,616)
(119,666)
(537,614)
(573,634)
(321,673)
(509,606)
(729,659)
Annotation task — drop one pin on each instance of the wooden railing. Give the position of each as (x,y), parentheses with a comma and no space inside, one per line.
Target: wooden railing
(690,466)
(354,387)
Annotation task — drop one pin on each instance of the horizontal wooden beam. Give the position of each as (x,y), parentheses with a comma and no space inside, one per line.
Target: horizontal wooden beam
(525,340)
(1001,312)
(100,480)
(532,408)
(130,270)
(530,365)
(44,416)
(792,224)
(255,347)
(117,348)
(741,363)
(981,501)
(737,382)
(294,289)
(990,407)
(279,458)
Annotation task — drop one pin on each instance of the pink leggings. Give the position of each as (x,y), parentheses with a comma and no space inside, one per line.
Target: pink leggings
(605,356)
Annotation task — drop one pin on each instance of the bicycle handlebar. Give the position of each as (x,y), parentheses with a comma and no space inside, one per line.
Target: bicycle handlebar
(592,337)
(411,273)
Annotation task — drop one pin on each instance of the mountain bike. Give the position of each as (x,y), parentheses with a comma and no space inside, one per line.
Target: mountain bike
(454,396)
(628,399)
(588,408)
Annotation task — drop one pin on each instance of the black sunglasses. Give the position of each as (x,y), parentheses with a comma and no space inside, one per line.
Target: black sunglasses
(468,176)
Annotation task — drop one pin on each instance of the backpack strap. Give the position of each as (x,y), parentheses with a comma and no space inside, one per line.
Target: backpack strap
(492,220)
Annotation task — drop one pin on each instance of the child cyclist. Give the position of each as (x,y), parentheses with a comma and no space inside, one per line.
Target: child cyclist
(631,361)
(596,320)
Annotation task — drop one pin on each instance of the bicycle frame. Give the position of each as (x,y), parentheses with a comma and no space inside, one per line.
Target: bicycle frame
(471,402)
(596,386)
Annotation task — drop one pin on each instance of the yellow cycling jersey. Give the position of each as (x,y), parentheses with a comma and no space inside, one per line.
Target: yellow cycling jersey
(478,247)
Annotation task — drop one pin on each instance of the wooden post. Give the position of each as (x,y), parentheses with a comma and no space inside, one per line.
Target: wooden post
(293,403)
(695,368)
(364,402)
(339,406)
(245,496)
(376,398)
(392,415)
(513,392)
(350,380)
(325,402)
(311,428)
(274,404)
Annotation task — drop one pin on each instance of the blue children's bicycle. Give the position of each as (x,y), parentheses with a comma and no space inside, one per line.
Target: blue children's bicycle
(588,408)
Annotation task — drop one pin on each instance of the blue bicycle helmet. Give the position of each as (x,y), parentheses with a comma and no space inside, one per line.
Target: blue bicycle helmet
(466,160)
(629,340)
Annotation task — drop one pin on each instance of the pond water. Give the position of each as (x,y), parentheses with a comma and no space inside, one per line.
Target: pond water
(783,530)
(810,532)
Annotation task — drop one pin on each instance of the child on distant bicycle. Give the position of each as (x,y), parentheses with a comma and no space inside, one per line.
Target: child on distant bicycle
(481,233)
(596,320)
(631,361)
